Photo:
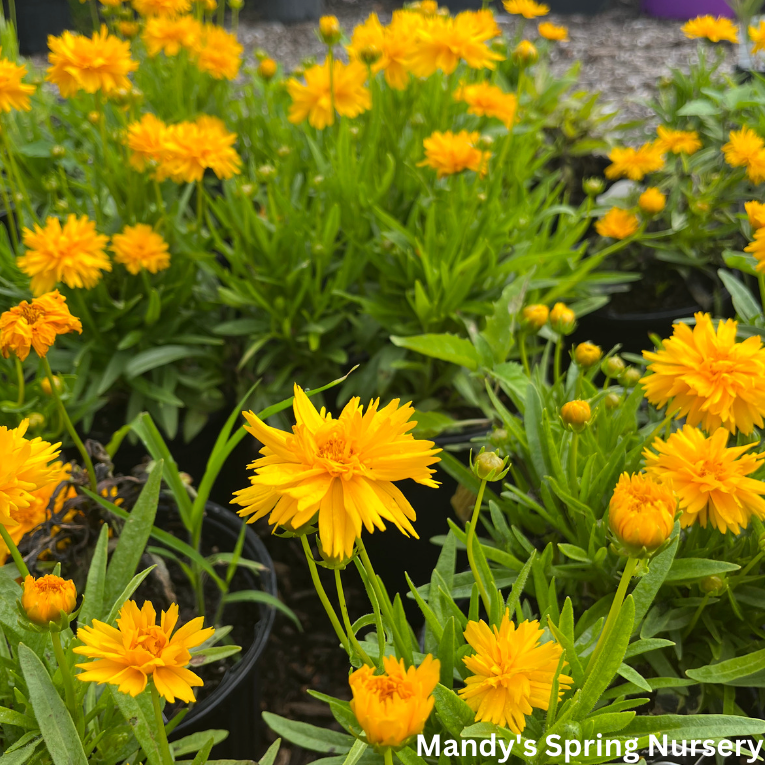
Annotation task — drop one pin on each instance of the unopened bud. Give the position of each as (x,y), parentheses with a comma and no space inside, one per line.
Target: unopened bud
(525,53)
(613,366)
(489,466)
(593,186)
(562,319)
(713,584)
(267,69)
(587,355)
(630,377)
(370,55)
(535,316)
(612,400)
(329,29)
(576,415)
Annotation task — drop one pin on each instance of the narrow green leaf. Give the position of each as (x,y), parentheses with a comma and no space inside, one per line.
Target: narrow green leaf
(93,598)
(257,596)
(139,715)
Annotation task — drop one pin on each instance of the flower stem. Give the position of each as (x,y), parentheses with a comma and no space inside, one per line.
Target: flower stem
(697,615)
(388,756)
(471,555)
(757,558)
(20,377)
(17,176)
(761,280)
(323,595)
(14,551)
(524,355)
(616,606)
(9,213)
(160,723)
(558,352)
(66,674)
(70,427)
(346,620)
(573,474)
(94,15)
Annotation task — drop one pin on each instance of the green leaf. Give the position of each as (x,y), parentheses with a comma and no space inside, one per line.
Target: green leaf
(447,347)
(257,596)
(139,715)
(643,646)
(746,306)
(650,584)
(203,754)
(309,736)
(20,756)
(732,669)
(354,755)
(699,107)
(679,727)
(690,569)
(194,742)
(93,598)
(56,724)
(453,712)
(270,756)
(213,653)
(130,588)
(633,676)
(159,357)
(12,717)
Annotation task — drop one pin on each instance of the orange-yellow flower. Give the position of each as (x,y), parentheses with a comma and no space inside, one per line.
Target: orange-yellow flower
(587,355)
(14,94)
(218,53)
(642,512)
(73,254)
(757,36)
(329,29)
(485,100)
(526,8)
(98,63)
(711,28)
(755,169)
(139,247)
(525,53)
(552,32)
(313,100)
(394,43)
(677,141)
(146,141)
(162,7)
(128,28)
(755,211)
(24,468)
(535,316)
(36,325)
(513,672)
(140,648)
(267,68)
(448,153)
(743,147)
(562,319)
(617,224)
(394,706)
(45,598)
(344,469)
(757,248)
(708,377)
(652,201)
(576,414)
(635,164)
(169,34)
(711,481)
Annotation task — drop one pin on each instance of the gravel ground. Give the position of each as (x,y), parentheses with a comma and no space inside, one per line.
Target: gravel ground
(623,54)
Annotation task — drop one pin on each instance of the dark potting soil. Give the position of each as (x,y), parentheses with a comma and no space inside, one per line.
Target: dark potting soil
(660,289)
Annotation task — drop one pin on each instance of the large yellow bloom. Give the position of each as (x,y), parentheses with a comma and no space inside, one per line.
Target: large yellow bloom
(757,247)
(162,7)
(635,164)
(73,254)
(711,480)
(140,648)
(139,247)
(757,36)
(711,28)
(448,153)
(313,100)
(36,325)
(394,706)
(526,8)
(24,468)
(14,94)
(642,511)
(343,469)
(677,141)
(708,377)
(485,100)
(755,211)
(190,148)
(512,671)
(146,141)
(45,598)
(743,147)
(218,53)
(652,201)
(393,43)
(552,32)
(617,224)
(98,63)
(169,34)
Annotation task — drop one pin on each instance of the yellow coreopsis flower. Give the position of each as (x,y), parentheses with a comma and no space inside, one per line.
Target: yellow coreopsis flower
(171,34)
(757,248)
(635,164)
(36,325)
(526,8)
(552,32)
(617,224)
(449,153)
(485,100)
(755,211)
(139,247)
(652,201)
(98,63)
(344,469)
(267,69)
(128,28)
(139,649)
(642,512)
(25,466)
(513,672)
(743,147)
(757,36)
(73,254)
(711,28)
(45,598)
(162,7)
(677,141)
(394,706)
(218,53)
(146,141)
(710,480)
(394,43)
(314,99)
(14,94)
(755,168)
(587,355)
(709,378)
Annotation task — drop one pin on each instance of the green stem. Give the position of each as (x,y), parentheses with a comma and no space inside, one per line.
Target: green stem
(12,9)
(346,620)
(159,721)
(70,427)
(524,355)
(471,554)
(757,558)
(573,474)
(200,203)
(558,353)
(697,615)
(16,174)
(378,620)
(616,606)
(14,551)
(94,15)
(10,212)
(323,595)
(388,756)
(20,377)
(761,280)
(71,698)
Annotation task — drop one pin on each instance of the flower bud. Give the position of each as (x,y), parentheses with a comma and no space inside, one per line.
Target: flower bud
(128,29)
(94,117)
(266,173)
(267,69)
(652,201)
(44,600)
(370,55)
(236,5)
(317,180)
(587,355)
(489,466)
(247,189)
(593,186)
(535,316)
(485,141)
(61,204)
(713,584)
(329,561)
(329,29)
(612,400)
(45,385)
(576,415)
(613,366)
(354,131)
(58,151)
(525,53)
(630,377)
(562,319)
(36,420)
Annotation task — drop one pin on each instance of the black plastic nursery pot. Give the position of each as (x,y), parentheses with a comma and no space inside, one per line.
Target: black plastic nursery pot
(290,11)
(584,7)
(36,20)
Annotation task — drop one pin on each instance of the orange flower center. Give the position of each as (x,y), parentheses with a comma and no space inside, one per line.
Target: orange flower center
(153,640)
(31,313)
(387,688)
(50,585)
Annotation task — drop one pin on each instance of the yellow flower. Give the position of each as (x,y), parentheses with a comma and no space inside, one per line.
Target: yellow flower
(73,254)
(513,672)
(218,53)
(711,28)
(139,247)
(169,35)
(128,28)
(98,63)
(486,100)
(552,32)
(711,481)
(587,355)
(755,169)
(757,248)
(162,7)
(267,69)
(535,316)
(189,148)
(343,469)
(576,414)
(756,213)
(146,141)
(635,164)
(642,512)
(45,598)
(652,201)
(36,325)
(448,153)
(140,648)
(329,29)
(708,377)
(757,36)
(743,146)
(14,94)
(45,385)
(617,224)
(525,53)
(677,141)
(24,468)
(526,8)
(395,44)
(562,319)
(313,101)
(394,706)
